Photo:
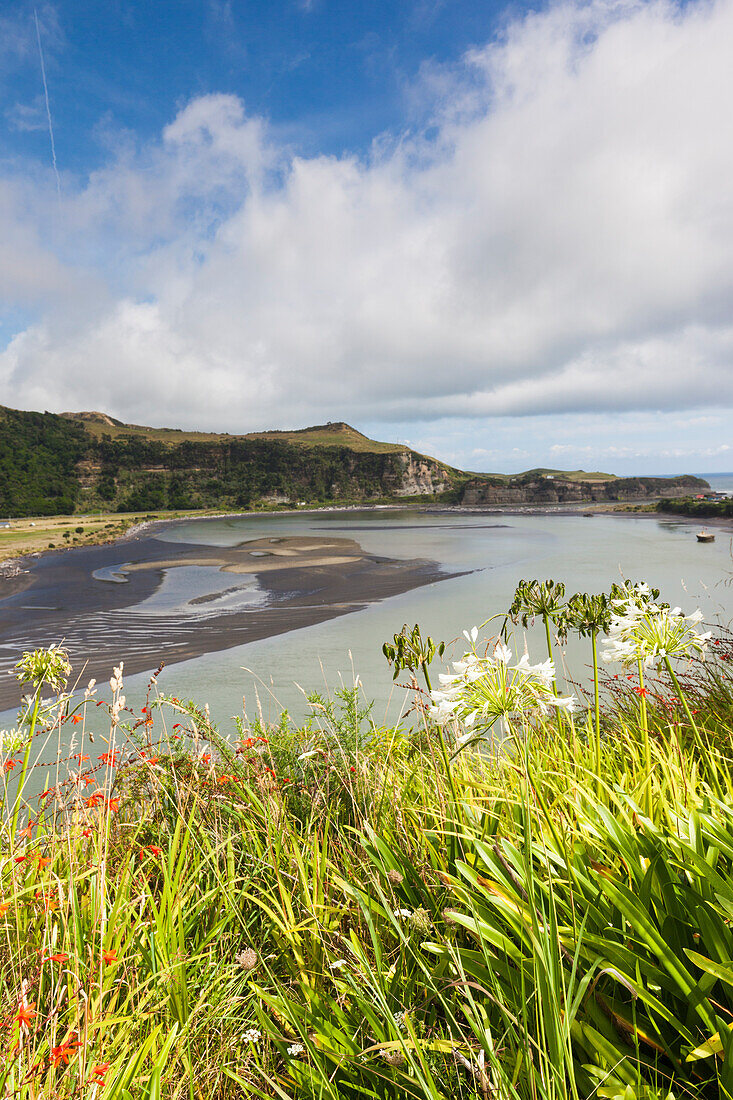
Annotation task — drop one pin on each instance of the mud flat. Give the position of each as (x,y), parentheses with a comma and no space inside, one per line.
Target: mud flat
(138,602)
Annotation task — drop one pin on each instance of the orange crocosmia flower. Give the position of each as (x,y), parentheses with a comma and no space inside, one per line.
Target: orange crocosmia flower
(77,718)
(9,765)
(94,799)
(59,957)
(26,1012)
(113,805)
(43,861)
(63,1052)
(19,859)
(4,908)
(28,831)
(99,1071)
(51,904)
(109,956)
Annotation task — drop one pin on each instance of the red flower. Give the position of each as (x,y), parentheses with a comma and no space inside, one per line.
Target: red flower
(59,957)
(113,805)
(9,765)
(99,1073)
(26,1012)
(151,848)
(19,859)
(77,718)
(61,1053)
(109,956)
(86,832)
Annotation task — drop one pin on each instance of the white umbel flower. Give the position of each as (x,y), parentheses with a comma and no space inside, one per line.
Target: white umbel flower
(484,690)
(644,631)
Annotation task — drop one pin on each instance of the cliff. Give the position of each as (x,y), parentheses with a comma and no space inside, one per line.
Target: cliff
(554,489)
(89,461)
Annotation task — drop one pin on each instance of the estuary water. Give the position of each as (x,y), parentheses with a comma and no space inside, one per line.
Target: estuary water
(492,551)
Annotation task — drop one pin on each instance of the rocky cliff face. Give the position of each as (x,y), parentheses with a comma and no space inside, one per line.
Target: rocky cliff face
(554,490)
(419,476)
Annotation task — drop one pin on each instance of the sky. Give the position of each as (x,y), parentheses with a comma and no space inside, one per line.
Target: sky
(501,234)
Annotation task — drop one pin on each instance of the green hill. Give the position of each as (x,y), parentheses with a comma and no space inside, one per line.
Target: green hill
(81,462)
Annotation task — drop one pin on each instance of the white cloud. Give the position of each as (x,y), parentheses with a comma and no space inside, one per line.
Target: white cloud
(562,241)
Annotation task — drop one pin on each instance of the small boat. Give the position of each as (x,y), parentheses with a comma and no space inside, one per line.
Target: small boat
(705,536)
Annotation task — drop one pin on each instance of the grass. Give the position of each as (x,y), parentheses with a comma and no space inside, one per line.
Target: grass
(335,911)
(34,534)
(325,435)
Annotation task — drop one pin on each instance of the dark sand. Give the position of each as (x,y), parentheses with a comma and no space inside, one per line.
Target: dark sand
(302,581)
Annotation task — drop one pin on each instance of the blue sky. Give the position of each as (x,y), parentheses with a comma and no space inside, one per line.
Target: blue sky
(328,76)
(502,234)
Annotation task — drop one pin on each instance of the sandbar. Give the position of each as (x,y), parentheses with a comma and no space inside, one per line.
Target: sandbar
(298,581)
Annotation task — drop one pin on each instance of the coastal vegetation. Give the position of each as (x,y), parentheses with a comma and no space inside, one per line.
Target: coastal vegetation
(704,509)
(514,893)
(89,462)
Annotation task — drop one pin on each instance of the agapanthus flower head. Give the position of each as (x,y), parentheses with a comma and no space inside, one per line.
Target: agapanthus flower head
(44,666)
(536,598)
(586,614)
(642,630)
(11,740)
(488,688)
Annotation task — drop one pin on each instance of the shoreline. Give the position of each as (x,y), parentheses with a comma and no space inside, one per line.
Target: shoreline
(16,567)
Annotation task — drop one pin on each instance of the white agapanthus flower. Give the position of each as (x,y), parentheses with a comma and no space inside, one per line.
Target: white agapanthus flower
(644,631)
(11,740)
(485,689)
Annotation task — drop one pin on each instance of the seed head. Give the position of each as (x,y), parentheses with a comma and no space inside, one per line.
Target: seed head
(395,877)
(421,921)
(393,1057)
(246,959)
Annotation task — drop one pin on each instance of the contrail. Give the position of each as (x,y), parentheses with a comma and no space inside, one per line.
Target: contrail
(48,106)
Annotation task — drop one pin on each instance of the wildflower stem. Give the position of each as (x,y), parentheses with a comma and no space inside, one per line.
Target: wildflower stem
(645,738)
(688,712)
(558,719)
(593,638)
(546,619)
(26,759)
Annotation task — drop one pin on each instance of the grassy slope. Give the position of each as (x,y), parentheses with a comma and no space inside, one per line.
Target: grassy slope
(322,435)
(323,914)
